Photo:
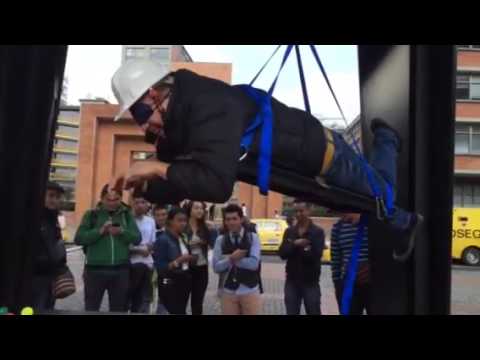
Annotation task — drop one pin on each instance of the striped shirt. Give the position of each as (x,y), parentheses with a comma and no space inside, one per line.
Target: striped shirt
(342,239)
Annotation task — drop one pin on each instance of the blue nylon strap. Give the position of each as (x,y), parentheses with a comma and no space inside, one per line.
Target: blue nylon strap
(320,65)
(265,65)
(264,118)
(352,268)
(302,80)
(284,60)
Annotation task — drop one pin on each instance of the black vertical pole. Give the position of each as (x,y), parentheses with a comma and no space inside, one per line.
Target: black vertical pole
(411,87)
(30,89)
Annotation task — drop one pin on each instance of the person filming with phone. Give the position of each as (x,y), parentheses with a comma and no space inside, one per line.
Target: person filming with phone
(107,232)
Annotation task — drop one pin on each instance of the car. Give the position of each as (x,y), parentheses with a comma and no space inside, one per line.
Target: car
(270,232)
(466,236)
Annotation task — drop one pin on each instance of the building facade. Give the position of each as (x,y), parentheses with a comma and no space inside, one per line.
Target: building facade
(467,128)
(64,161)
(161,53)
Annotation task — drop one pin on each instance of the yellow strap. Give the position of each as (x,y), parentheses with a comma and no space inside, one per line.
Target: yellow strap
(329,152)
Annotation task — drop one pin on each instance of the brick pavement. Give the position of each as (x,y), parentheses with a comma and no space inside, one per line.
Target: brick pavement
(465,289)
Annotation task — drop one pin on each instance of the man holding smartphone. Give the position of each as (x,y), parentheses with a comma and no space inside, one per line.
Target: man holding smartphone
(236,257)
(107,231)
(302,247)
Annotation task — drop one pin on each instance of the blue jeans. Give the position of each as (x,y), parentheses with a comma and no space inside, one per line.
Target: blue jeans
(347,170)
(295,293)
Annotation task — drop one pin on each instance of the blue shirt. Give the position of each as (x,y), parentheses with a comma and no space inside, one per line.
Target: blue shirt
(222,265)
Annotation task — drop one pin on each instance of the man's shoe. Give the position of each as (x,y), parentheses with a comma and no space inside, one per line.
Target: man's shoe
(379,123)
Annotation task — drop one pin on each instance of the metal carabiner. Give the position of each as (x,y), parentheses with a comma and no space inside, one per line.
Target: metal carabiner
(381,209)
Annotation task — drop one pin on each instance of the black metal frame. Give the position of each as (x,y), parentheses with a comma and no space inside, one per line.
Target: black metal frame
(411,87)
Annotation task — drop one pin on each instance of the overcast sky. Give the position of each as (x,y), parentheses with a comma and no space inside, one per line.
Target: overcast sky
(89,69)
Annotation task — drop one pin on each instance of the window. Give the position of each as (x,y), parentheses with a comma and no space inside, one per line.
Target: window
(66,158)
(160,54)
(140,155)
(467,139)
(468,87)
(134,53)
(466,194)
(271,226)
(470,47)
(65,173)
(67,130)
(65,144)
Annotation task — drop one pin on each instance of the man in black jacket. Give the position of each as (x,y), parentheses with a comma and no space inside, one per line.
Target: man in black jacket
(197,124)
(50,256)
(302,247)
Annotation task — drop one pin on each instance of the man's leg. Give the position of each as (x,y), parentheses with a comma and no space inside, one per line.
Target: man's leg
(199,287)
(230,304)
(118,290)
(311,299)
(250,304)
(293,298)
(136,286)
(94,287)
(357,304)
(348,171)
(146,291)
(42,297)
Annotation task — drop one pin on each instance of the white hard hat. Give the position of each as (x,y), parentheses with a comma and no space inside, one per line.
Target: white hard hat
(133,79)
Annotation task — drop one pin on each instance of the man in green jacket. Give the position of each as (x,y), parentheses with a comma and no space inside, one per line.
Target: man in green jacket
(106,233)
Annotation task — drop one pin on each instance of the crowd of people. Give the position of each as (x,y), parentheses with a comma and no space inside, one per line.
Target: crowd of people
(143,252)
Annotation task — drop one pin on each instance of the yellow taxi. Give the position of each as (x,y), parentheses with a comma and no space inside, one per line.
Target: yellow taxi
(270,232)
(466,236)
(326,256)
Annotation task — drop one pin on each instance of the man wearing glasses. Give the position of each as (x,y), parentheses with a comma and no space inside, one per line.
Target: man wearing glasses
(198,125)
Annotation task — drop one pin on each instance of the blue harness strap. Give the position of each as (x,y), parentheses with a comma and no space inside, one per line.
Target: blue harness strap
(263,120)
(352,267)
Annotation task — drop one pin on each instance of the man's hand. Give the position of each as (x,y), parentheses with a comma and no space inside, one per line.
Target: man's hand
(105,227)
(145,252)
(238,255)
(185,259)
(115,230)
(301,242)
(138,173)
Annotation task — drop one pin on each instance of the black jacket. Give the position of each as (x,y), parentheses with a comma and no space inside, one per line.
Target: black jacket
(50,255)
(204,124)
(303,267)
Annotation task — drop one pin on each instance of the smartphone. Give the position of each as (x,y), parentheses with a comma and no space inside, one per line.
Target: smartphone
(116,224)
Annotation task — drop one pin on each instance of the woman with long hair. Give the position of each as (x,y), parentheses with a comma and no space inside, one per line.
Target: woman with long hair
(199,236)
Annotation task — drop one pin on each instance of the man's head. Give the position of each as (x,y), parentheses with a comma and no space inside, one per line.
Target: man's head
(302,210)
(140,205)
(160,215)
(111,199)
(351,218)
(177,220)
(233,218)
(53,195)
(144,88)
